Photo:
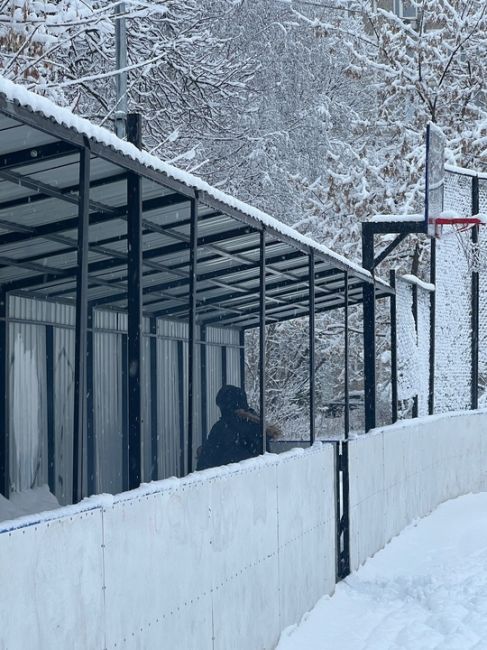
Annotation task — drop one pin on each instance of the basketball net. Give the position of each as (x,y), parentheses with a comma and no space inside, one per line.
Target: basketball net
(473,248)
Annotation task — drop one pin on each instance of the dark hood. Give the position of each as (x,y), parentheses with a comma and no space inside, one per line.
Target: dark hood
(231,398)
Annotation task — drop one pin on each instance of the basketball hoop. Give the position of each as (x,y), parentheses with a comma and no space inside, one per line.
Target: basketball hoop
(474,250)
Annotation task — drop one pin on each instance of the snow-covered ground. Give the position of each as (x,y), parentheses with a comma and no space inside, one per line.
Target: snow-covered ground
(426,590)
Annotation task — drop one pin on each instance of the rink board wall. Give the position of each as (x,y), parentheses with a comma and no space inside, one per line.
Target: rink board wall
(222,559)
(402,472)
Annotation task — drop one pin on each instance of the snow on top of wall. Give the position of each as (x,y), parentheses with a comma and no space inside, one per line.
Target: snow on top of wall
(65,117)
(464,171)
(396,218)
(412,279)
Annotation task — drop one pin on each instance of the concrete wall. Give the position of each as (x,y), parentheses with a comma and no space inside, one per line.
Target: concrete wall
(222,559)
(402,472)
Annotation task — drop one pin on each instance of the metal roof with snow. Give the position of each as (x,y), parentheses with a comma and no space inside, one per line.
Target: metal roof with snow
(40,148)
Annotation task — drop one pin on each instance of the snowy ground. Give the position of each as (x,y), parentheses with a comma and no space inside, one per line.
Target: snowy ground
(427,589)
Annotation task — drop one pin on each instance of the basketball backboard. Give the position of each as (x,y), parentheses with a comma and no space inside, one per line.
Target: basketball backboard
(435,176)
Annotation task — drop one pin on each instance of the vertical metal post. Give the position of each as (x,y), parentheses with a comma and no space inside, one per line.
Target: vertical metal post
(346,388)
(475,287)
(431,396)
(4,397)
(193,269)
(90,403)
(262,337)
(393,305)
(125,408)
(51,435)
(154,395)
(204,383)
(242,358)
(134,330)
(181,399)
(369,331)
(312,364)
(415,316)
(224,365)
(121,77)
(81,332)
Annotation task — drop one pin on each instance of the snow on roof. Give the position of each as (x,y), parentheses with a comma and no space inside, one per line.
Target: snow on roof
(396,218)
(65,117)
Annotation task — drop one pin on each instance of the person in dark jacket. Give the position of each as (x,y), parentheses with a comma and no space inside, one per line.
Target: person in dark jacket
(238,433)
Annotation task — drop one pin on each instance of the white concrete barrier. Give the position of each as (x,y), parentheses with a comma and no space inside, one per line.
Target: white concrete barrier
(402,472)
(222,559)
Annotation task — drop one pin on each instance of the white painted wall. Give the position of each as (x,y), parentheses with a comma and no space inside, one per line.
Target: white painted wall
(402,472)
(223,559)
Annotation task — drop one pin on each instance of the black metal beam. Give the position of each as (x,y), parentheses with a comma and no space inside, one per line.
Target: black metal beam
(204,383)
(50,409)
(346,379)
(36,154)
(312,364)
(90,403)
(242,358)
(81,336)
(431,391)
(475,303)
(393,312)
(180,405)
(4,397)
(388,249)
(262,338)
(154,398)
(414,290)
(389,227)
(134,312)
(369,329)
(193,281)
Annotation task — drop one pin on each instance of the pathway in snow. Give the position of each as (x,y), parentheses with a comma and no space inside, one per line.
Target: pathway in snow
(426,590)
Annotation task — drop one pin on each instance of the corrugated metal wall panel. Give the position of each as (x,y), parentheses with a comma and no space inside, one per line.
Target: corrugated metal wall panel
(64,341)
(168,408)
(28,406)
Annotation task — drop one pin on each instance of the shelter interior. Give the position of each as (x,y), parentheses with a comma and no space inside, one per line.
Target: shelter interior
(125,295)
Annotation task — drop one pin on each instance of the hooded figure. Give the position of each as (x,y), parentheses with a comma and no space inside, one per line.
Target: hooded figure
(236,436)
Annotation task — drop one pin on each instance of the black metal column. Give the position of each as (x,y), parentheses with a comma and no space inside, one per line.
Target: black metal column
(134,300)
(51,435)
(431,395)
(346,378)
(193,269)
(393,305)
(369,331)
(181,399)
(312,364)
(81,335)
(415,316)
(224,365)
(475,286)
(154,394)
(262,338)
(90,405)
(242,358)
(204,383)
(4,398)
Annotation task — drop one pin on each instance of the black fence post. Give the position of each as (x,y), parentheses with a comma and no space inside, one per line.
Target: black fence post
(312,364)
(90,405)
(193,270)
(204,383)
(242,358)
(181,399)
(134,330)
(475,287)
(81,331)
(393,305)
(369,330)
(262,337)
(51,398)
(4,397)
(346,379)
(154,394)
(415,316)
(431,395)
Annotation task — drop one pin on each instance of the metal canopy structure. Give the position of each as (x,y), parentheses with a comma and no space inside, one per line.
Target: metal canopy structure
(39,197)
(93,221)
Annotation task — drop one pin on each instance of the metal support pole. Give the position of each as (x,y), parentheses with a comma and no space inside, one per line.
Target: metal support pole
(431,396)
(51,435)
(90,405)
(415,316)
(262,338)
(81,332)
(392,282)
(369,331)
(154,473)
(242,358)
(125,408)
(193,269)
(134,300)
(475,287)
(342,509)
(4,397)
(204,384)
(224,365)
(121,77)
(181,398)
(312,363)
(346,379)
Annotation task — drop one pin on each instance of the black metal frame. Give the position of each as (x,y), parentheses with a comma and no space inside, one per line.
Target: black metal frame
(475,306)
(312,361)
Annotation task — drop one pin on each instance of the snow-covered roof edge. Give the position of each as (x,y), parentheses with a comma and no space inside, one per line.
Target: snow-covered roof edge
(65,117)
(413,279)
